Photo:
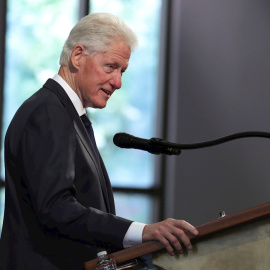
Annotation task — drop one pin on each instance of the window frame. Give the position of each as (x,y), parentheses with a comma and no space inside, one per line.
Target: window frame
(3,11)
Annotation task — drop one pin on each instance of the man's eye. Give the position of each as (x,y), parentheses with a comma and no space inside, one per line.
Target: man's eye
(109,68)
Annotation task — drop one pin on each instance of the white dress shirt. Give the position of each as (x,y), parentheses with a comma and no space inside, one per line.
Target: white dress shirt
(134,233)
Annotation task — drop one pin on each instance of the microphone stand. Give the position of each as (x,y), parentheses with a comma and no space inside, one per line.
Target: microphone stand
(175,149)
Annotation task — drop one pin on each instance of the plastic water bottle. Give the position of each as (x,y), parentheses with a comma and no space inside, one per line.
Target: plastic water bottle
(105,262)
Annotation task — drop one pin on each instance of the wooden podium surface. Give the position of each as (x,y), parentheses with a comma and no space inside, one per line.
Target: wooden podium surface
(237,241)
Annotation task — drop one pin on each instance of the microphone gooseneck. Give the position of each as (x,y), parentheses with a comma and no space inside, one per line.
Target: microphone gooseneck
(159,146)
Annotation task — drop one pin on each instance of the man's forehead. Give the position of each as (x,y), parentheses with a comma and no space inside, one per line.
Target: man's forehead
(119,48)
(117,57)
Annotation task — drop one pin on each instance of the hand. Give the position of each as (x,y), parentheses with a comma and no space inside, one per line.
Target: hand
(170,233)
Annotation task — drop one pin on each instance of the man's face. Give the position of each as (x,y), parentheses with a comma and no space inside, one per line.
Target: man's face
(99,75)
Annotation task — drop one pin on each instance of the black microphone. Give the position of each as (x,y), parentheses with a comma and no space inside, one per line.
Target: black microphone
(159,146)
(153,145)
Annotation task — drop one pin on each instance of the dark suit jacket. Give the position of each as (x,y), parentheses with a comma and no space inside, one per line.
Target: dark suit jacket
(59,204)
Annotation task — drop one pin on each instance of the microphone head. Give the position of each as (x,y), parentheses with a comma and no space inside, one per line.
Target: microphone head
(153,146)
(122,140)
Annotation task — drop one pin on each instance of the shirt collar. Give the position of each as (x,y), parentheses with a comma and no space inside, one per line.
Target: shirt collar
(71,94)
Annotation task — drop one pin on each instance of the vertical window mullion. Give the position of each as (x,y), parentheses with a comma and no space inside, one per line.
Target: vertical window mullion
(3,8)
(84,8)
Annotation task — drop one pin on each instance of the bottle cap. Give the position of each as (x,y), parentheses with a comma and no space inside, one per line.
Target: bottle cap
(104,252)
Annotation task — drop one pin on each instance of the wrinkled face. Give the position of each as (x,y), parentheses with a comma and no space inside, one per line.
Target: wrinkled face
(99,75)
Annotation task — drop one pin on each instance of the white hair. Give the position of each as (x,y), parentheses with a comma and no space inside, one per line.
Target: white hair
(96,32)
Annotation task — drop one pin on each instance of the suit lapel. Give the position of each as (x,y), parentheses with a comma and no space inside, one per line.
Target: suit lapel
(83,136)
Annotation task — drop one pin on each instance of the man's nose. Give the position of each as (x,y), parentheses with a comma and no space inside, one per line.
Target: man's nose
(116,80)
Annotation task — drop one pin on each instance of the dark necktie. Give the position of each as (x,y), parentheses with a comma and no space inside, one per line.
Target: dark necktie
(109,202)
(88,126)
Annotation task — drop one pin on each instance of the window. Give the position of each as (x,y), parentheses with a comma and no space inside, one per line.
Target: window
(132,109)
(34,39)
(32,52)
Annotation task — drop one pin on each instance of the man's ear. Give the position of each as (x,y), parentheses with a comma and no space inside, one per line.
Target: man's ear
(76,56)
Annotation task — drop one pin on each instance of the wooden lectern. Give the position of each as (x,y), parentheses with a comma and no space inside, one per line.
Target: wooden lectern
(234,242)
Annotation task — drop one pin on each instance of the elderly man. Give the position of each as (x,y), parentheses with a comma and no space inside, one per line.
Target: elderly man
(59,202)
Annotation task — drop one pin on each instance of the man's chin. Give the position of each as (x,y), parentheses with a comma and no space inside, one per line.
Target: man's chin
(99,105)
(96,105)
